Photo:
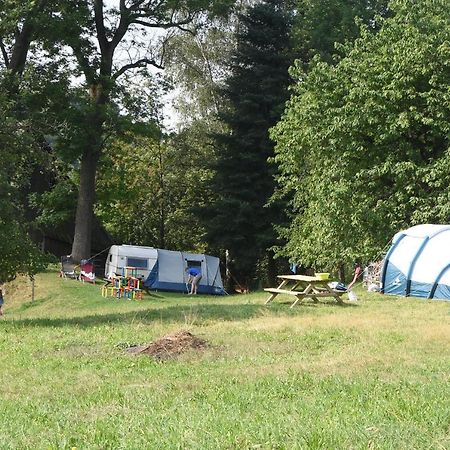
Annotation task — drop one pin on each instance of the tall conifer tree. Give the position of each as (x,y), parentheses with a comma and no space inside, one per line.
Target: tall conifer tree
(256,91)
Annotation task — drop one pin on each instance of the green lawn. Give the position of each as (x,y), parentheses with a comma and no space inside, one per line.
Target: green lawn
(373,374)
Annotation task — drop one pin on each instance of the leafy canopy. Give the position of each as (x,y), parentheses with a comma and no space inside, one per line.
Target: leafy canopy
(18,254)
(363,146)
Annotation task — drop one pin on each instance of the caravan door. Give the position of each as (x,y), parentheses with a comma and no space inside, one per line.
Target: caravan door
(111,261)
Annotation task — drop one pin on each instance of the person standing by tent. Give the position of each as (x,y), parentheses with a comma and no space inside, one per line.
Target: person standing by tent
(1,300)
(358,270)
(194,277)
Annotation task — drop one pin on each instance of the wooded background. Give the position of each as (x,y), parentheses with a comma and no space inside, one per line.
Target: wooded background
(307,131)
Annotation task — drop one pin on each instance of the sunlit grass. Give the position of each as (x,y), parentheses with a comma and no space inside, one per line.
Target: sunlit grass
(372,374)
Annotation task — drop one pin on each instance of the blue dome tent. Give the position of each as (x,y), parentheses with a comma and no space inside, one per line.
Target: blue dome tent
(418,263)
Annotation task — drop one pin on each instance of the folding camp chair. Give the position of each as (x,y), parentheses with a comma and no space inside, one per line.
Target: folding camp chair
(87,271)
(68,267)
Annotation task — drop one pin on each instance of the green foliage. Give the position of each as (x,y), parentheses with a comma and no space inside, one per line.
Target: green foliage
(18,254)
(364,145)
(147,189)
(320,24)
(33,94)
(256,90)
(56,206)
(198,64)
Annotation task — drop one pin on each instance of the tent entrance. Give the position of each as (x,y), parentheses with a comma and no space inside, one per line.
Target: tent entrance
(194,264)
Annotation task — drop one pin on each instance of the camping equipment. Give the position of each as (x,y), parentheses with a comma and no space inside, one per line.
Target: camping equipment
(87,271)
(322,275)
(68,267)
(165,270)
(418,263)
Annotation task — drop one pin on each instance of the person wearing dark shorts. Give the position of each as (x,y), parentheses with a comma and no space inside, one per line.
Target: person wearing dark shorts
(194,277)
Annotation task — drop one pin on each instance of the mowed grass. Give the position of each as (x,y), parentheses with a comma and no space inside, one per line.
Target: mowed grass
(373,374)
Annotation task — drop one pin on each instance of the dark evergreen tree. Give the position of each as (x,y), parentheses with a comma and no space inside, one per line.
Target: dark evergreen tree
(256,90)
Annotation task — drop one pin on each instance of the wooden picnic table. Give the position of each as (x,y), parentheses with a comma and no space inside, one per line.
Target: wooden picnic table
(302,286)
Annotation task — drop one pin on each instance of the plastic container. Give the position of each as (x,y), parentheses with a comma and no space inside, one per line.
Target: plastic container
(322,275)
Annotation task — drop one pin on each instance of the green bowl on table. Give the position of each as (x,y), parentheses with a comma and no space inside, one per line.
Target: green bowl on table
(322,275)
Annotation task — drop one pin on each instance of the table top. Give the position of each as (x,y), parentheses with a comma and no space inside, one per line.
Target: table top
(303,278)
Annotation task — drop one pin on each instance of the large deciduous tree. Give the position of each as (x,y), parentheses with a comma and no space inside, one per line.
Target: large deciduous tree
(320,24)
(238,220)
(108,42)
(364,145)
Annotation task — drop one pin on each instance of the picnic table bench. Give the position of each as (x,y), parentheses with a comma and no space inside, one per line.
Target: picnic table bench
(303,286)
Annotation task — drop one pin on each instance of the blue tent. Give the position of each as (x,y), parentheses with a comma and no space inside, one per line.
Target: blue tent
(418,263)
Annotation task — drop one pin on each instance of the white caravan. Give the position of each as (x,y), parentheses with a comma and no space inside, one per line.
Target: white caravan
(121,256)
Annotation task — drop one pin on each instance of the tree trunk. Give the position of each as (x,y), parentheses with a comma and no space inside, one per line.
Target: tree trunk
(162,210)
(20,48)
(271,269)
(229,284)
(81,247)
(341,272)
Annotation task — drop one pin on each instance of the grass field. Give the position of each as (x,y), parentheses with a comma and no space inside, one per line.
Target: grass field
(369,375)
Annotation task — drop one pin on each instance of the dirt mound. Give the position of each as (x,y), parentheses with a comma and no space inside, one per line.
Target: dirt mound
(170,346)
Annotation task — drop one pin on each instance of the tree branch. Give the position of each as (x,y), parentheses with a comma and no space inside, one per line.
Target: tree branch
(186,30)
(135,6)
(100,25)
(85,66)
(140,63)
(4,53)
(167,25)
(124,23)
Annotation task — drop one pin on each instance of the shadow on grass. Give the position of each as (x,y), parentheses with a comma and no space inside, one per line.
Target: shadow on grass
(184,314)
(33,303)
(196,314)
(317,304)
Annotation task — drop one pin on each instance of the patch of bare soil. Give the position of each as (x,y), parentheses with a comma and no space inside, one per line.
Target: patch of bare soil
(170,346)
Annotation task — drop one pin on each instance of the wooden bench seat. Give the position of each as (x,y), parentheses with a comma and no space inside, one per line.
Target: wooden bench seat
(324,293)
(282,291)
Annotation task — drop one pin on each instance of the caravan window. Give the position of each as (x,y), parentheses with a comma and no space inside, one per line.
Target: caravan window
(140,263)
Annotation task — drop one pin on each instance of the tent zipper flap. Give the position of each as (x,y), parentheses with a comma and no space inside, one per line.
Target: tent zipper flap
(386,262)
